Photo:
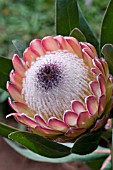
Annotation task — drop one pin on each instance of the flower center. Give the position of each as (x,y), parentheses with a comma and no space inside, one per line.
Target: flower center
(53,81)
(49,75)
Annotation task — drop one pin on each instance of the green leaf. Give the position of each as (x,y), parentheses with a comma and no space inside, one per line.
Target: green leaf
(69,16)
(96,164)
(20,46)
(66,16)
(107,26)
(3,79)
(78,35)
(72,157)
(5,130)
(107,51)
(40,144)
(5,65)
(3,96)
(5,68)
(87,143)
(107,165)
(86,30)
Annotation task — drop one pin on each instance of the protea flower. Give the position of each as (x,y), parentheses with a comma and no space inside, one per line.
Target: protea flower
(61,89)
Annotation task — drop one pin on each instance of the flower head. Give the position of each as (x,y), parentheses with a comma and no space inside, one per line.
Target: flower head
(61,88)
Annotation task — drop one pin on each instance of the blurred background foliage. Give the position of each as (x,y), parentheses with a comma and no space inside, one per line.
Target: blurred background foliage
(26,20)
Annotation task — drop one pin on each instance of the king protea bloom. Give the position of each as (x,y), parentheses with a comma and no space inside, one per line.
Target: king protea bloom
(61,89)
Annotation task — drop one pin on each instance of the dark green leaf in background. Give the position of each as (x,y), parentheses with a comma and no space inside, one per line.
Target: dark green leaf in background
(86,30)
(69,16)
(40,145)
(5,65)
(5,68)
(5,130)
(87,143)
(66,16)
(3,96)
(97,164)
(3,79)
(107,26)
(107,165)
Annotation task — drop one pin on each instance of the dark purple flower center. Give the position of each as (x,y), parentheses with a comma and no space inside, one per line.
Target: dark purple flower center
(49,75)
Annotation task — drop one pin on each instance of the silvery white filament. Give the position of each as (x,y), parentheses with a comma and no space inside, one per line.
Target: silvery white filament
(54,101)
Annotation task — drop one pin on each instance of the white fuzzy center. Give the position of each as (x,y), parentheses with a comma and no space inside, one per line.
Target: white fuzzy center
(53,81)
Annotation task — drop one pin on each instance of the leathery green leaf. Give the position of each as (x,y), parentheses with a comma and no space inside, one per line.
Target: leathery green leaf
(5,130)
(78,35)
(95,156)
(5,68)
(107,26)
(3,79)
(66,17)
(86,30)
(107,51)
(40,145)
(87,143)
(5,65)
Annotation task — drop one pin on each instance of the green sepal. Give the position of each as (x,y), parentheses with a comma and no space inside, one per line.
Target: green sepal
(78,35)
(86,143)
(40,145)
(107,51)
(20,46)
